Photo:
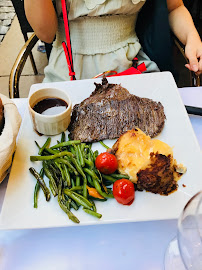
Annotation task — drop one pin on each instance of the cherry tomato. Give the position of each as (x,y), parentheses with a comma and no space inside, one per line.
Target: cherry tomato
(124,191)
(106,163)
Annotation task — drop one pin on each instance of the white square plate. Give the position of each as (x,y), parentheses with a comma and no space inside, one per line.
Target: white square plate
(18,212)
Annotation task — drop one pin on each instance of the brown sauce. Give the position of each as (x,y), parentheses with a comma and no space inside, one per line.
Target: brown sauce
(44,105)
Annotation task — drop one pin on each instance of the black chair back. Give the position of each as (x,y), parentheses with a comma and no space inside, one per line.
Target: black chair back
(20,12)
(24,24)
(153,31)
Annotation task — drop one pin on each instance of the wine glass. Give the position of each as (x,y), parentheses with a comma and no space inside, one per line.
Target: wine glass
(185,250)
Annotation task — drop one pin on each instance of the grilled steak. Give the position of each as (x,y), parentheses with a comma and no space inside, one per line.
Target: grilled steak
(110,111)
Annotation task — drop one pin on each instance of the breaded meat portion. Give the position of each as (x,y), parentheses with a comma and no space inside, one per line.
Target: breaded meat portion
(148,162)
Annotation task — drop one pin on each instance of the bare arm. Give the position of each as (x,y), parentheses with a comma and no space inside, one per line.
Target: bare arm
(183,27)
(42,17)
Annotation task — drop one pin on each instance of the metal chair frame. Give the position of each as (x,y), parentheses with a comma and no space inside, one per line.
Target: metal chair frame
(19,65)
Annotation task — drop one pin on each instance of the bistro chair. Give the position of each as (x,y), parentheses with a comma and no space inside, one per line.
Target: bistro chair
(26,50)
(153,31)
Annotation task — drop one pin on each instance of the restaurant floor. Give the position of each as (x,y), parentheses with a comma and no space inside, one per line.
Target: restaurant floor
(13,42)
(9,49)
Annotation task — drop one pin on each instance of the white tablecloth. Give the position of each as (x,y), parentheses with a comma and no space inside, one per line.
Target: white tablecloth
(140,245)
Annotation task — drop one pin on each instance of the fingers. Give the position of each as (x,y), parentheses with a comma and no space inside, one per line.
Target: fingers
(193,61)
(195,58)
(198,71)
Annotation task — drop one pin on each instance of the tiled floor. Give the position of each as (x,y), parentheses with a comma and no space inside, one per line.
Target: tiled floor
(9,49)
(13,42)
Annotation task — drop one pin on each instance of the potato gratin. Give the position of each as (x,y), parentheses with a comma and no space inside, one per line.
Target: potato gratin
(148,162)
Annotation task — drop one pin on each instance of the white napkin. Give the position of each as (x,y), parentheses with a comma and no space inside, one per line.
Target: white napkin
(8,135)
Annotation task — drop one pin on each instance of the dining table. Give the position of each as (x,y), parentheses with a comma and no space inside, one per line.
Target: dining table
(130,245)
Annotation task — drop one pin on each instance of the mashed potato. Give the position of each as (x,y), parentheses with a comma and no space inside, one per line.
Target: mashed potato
(148,162)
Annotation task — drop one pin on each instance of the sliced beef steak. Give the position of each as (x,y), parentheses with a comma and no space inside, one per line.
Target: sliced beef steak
(110,111)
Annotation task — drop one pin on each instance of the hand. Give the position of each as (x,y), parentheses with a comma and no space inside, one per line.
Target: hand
(193,51)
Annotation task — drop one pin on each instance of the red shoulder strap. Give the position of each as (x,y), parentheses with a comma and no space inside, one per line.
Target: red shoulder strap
(135,69)
(67,46)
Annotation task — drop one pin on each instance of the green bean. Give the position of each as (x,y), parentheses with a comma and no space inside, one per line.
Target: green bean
(109,178)
(76,188)
(60,188)
(63,137)
(74,205)
(54,171)
(65,208)
(95,214)
(37,144)
(48,150)
(78,167)
(81,156)
(46,144)
(103,144)
(94,206)
(88,162)
(90,180)
(98,172)
(99,190)
(68,212)
(78,180)
(77,153)
(36,191)
(67,203)
(72,150)
(78,198)
(51,188)
(66,200)
(52,180)
(85,192)
(83,198)
(63,197)
(83,146)
(90,157)
(119,176)
(61,170)
(72,182)
(41,183)
(95,154)
(37,188)
(65,161)
(58,155)
(91,173)
(65,144)
(51,151)
(45,152)
(67,174)
(91,152)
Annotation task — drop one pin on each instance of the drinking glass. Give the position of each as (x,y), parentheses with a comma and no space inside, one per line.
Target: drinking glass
(185,250)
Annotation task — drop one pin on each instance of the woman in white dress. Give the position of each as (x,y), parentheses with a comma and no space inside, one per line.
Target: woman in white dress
(103,35)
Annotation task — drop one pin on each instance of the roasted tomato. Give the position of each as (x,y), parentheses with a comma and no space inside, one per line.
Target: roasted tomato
(124,191)
(106,163)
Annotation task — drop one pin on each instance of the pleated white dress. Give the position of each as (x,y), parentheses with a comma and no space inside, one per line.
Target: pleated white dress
(103,38)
